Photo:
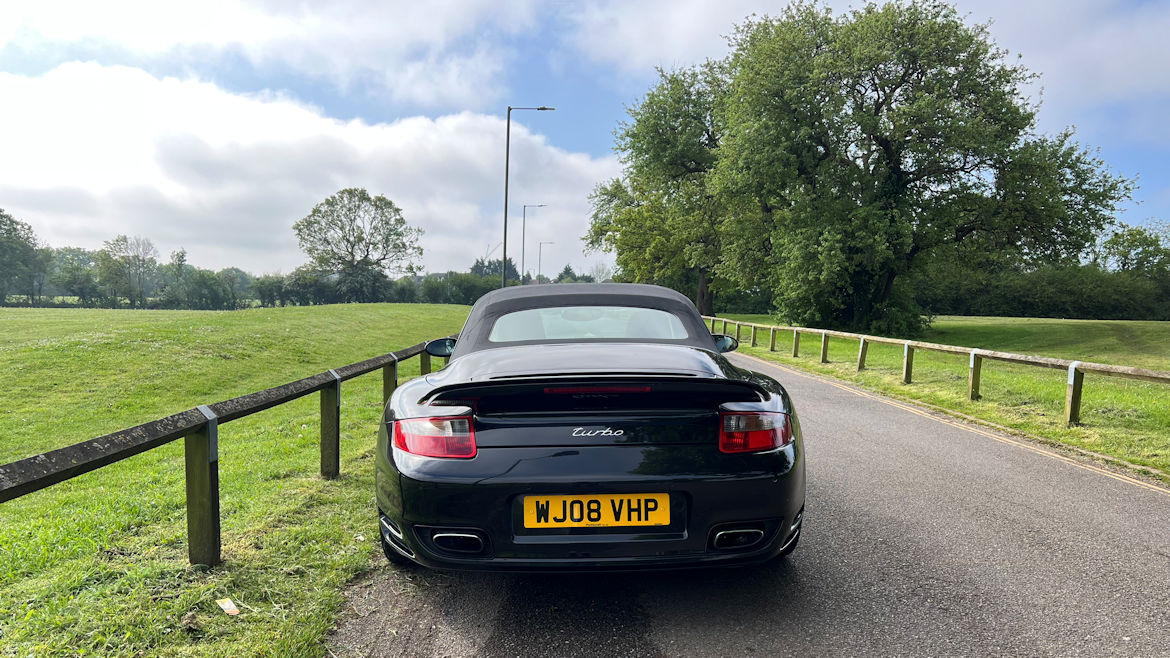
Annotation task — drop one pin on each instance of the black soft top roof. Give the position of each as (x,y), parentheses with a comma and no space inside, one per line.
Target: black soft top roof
(517,298)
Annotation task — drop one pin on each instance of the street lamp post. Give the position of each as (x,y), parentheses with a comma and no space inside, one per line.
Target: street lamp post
(523,228)
(539,254)
(507,158)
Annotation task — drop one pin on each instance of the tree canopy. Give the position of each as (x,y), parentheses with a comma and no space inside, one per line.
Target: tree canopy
(829,157)
(126,266)
(18,247)
(661,219)
(352,230)
(483,267)
(857,145)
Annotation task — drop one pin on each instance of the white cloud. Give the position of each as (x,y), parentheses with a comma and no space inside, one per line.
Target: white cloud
(1089,51)
(93,151)
(637,36)
(456,52)
(1104,65)
(427,53)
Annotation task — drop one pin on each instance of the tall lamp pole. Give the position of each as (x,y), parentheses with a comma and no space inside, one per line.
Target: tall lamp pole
(507,158)
(539,254)
(523,228)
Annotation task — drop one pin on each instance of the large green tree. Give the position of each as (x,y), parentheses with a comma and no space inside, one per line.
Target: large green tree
(662,218)
(856,146)
(38,269)
(352,231)
(126,267)
(18,251)
(74,273)
(1140,249)
(491,268)
(269,289)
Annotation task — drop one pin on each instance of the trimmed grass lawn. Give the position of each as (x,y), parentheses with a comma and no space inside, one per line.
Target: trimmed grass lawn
(1121,418)
(98,564)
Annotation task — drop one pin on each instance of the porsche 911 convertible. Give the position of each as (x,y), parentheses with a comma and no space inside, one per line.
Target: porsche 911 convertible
(588,426)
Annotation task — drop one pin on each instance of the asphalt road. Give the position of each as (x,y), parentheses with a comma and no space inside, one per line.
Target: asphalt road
(923,536)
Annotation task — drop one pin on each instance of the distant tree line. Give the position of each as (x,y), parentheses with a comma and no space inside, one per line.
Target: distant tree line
(863,171)
(1124,276)
(310,285)
(127,273)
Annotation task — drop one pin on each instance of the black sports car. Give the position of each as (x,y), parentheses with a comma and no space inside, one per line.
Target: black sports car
(588,426)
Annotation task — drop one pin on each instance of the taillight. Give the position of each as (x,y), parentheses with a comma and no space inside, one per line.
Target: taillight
(753,431)
(448,436)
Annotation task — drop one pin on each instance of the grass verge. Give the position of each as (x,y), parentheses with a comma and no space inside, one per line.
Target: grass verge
(1123,419)
(98,564)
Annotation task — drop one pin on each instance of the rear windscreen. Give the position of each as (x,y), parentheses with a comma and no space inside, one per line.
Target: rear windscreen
(587,322)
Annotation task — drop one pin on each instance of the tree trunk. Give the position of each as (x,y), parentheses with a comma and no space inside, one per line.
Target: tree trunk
(887,288)
(703,297)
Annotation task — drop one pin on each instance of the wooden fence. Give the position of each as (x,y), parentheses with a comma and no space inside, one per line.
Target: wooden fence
(199,428)
(1076,369)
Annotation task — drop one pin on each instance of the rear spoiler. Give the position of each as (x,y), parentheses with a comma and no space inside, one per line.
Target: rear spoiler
(526,383)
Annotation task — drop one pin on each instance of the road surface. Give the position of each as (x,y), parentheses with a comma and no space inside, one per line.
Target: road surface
(923,536)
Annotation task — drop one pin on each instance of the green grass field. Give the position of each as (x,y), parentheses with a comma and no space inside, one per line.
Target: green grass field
(1125,419)
(98,564)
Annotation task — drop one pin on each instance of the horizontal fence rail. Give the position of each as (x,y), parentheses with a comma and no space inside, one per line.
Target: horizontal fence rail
(1076,369)
(199,427)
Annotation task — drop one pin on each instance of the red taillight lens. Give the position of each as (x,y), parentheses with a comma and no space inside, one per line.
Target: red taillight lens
(753,431)
(449,436)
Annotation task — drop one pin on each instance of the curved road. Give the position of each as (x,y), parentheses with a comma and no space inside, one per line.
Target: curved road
(923,536)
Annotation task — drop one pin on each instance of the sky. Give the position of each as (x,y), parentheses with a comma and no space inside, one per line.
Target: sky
(213,126)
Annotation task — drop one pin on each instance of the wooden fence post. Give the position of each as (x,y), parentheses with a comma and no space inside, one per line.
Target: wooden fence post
(712,325)
(737,327)
(424,363)
(862,349)
(201,452)
(331,428)
(389,380)
(824,347)
(772,340)
(1072,403)
(795,343)
(753,335)
(907,363)
(976,369)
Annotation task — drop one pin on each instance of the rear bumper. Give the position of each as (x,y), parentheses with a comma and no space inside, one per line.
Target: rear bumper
(709,491)
(764,552)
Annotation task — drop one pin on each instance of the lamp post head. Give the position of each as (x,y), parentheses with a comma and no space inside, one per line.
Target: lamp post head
(507,158)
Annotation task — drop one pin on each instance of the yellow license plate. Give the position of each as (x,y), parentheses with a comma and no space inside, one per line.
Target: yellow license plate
(596,511)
